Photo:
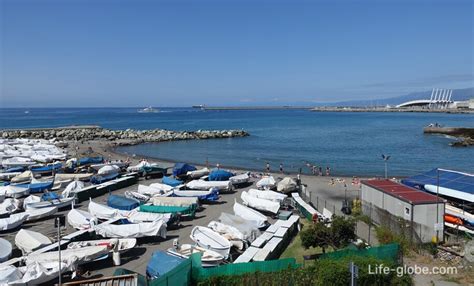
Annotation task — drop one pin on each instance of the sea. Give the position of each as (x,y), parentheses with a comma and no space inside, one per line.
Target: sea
(348,143)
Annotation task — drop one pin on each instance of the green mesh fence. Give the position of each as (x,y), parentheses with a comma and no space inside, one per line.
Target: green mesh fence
(385,252)
(191,210)
(200,273)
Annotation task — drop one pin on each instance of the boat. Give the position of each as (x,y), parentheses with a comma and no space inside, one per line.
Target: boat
(260,204)
(198,173)
(8,175)
(180,169)
(13,221)
(287,185)
(148,109)
(175,201)
(161,263)
(80,219)
(17,162)
(209,239)
(37,214)
(37,186)
(108,170)
(35,202)
(459,195)
(227,231)
(73,177)
(122,203)
(59,184)
(99,179)
(28,241)
(248,228)
(122,244)
(209,195)
(171,181)
(116,166)
(220,175)
(90,160)
(209,258)
(5,250)
(467,217)
(250,214)
(143,229)
(104,212)
(240,179)
(22,178)
(72,189)
(47,169)
(266,182)
(79,256)
(137,196)
(155,190)
(206,185)
(183,211)
(136,216)
(267,195)
(32,274)
(9,206)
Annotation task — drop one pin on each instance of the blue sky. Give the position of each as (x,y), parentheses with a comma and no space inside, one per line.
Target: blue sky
(179,53)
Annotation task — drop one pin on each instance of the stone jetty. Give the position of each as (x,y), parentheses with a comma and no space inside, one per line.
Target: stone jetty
(464,135)
(117,137)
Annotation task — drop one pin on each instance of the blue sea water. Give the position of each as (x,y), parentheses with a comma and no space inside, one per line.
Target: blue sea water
(349,143)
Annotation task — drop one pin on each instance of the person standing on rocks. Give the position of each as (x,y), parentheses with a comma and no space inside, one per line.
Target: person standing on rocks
(281,168)
(268,167)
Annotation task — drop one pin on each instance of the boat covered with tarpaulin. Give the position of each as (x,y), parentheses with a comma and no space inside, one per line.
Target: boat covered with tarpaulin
(180,169)
(122,203)
(219,175)
(171,181)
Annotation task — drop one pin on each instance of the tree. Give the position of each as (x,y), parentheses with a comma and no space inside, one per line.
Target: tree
(342,231)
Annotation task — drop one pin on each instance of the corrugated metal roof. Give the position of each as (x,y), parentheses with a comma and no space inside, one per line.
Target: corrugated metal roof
(410,195)
(122,280)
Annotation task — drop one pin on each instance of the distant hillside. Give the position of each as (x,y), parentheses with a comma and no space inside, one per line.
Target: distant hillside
(458,95)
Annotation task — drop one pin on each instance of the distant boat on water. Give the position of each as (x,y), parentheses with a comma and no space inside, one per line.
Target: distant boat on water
(148,109)
(201,106)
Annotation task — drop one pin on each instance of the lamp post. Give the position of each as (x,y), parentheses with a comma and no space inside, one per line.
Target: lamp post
(385,159)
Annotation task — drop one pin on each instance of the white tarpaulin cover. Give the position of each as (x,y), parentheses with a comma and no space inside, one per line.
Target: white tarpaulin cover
(14,191)
(174,201)
(287,185)
(250,214)
(240,179)
(206,185)
(227,231)
(83,254)
(5,250)
(9,206)
(156,228)
(135,216)
(35,214)
(198,173)
(80,219)
(266,182)
(260,204)
(15,220)
(72,188)
(26,176)
(268,195)
(102,211)
(209,239)
(28,241)
(109,169)
(154,190)
(248,228)
(31,274)
(138,166)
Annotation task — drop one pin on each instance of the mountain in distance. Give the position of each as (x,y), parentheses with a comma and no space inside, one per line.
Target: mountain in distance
(458,95)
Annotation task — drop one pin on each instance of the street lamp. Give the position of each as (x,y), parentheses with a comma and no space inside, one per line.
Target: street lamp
(385,159)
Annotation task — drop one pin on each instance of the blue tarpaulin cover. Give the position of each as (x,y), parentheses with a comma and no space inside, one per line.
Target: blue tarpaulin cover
(161,263)
(50,196)
(220,175)
(37,187)
(171,182)
(98,179)
(90,160)
(182,169)
(47,168)
(454,180)
(122,203)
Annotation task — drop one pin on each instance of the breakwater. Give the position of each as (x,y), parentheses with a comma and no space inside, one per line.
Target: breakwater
(465,135)
(117,137)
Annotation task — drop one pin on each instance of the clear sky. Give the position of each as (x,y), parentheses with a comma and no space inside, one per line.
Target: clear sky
(179,53)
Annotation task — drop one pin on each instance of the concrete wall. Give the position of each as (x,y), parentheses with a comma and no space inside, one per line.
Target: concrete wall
(424,217)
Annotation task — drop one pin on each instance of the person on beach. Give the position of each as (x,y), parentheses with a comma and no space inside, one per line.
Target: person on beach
(328,171)
(268,167)
(320,170)
(281,168)
(218,166)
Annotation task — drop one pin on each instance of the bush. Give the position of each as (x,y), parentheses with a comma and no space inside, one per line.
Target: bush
(386,236)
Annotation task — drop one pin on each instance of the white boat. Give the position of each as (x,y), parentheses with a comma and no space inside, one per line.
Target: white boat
(267,195)
(240,179)
(266,182)
(104,212)
(287,185)
(59,184)
(37,214)
(250,214)
(9,206)
(17,162)
(206,185)
(174,201)
(5,250)
(198,173)
(138,166)
(135,216)
(148,109)
(193,193)
(209,239)
(81,255)
(72,188)
(155,191)
(28,241)
(122,244)
(35,202)
(9,175)
(209,258)
(260,204)
(457,212)
(31,274)
(144,229)
(13,221)
(114,164)
(137,196)
(227,231)
(80,219)
(74,177)
(108,170)
(248,228)
(24,177)
(460,195)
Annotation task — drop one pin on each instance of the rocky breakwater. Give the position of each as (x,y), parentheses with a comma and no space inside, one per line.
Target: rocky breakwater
(118,137)
(464,135)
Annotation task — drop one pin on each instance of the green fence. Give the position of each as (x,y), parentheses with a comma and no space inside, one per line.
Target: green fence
(385,252)
(180,275)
